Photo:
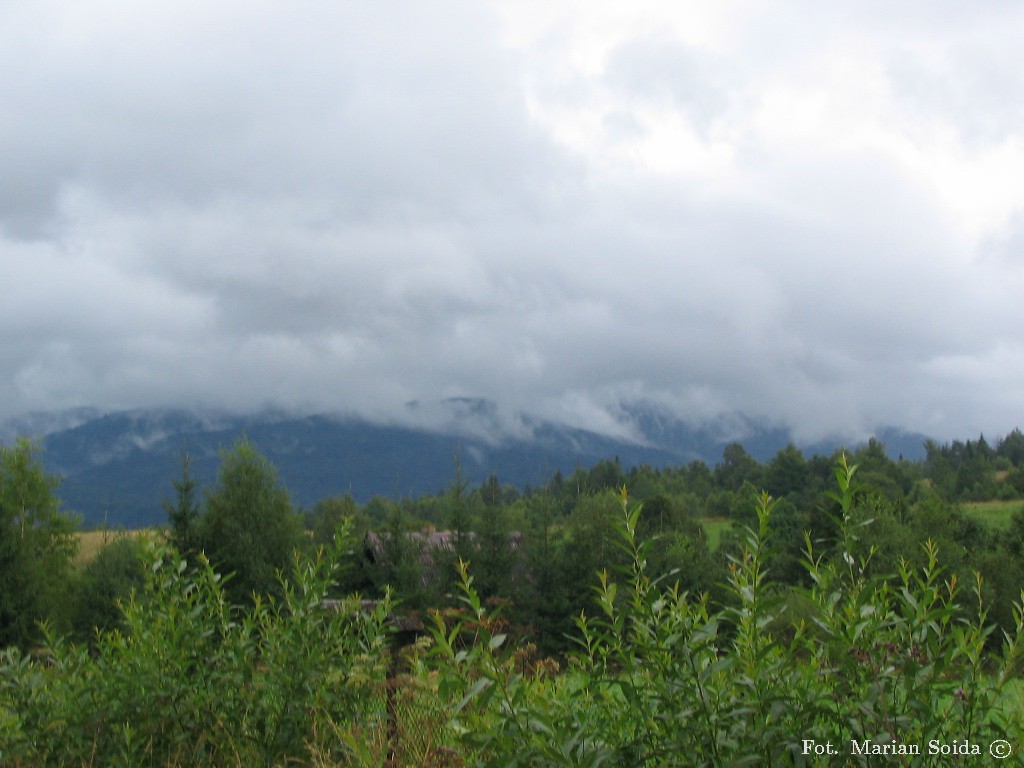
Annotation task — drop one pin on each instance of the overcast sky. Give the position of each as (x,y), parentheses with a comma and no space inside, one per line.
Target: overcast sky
(806,212)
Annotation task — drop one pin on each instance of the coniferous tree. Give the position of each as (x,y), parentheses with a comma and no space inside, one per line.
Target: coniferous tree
(490,491)
(458,514)
(183,513)
(495,558)
(401,565)
(544,601)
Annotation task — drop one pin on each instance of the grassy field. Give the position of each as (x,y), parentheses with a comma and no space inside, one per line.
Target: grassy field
(713,529)
(995,514)
(91,542)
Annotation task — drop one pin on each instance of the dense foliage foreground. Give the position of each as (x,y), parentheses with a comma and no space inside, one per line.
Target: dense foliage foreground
(659,677)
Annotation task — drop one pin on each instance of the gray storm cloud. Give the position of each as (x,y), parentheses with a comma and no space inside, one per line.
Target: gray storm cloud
(348,208)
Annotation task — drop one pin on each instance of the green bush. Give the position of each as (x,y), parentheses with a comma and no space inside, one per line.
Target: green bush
(191,680)
(118,569)
(660,677)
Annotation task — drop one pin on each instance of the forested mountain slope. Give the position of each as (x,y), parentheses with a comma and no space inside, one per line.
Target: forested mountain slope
(111,463)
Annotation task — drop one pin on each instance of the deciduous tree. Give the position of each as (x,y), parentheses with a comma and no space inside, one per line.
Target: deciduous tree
(249,528)
(36,544)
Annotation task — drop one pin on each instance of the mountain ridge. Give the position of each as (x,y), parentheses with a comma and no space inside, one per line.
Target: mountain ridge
(117,467)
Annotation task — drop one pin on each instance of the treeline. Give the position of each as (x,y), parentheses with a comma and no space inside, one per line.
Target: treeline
(874,665)
(974,470)
(536,551)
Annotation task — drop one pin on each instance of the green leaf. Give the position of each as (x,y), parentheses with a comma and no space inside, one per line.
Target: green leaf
(479,686)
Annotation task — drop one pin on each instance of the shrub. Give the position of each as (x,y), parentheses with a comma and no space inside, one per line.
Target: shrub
(191,680)
(118,569)
(661,678)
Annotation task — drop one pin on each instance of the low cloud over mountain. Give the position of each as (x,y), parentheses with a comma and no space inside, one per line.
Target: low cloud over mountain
(807,214)
(117,468)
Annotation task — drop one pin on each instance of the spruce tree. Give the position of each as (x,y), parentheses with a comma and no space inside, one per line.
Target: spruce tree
(183,514)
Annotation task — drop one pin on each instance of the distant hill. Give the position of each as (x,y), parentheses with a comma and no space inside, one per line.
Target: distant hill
(118,467)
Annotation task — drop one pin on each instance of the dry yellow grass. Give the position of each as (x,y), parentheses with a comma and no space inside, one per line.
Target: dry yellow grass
(91,542)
